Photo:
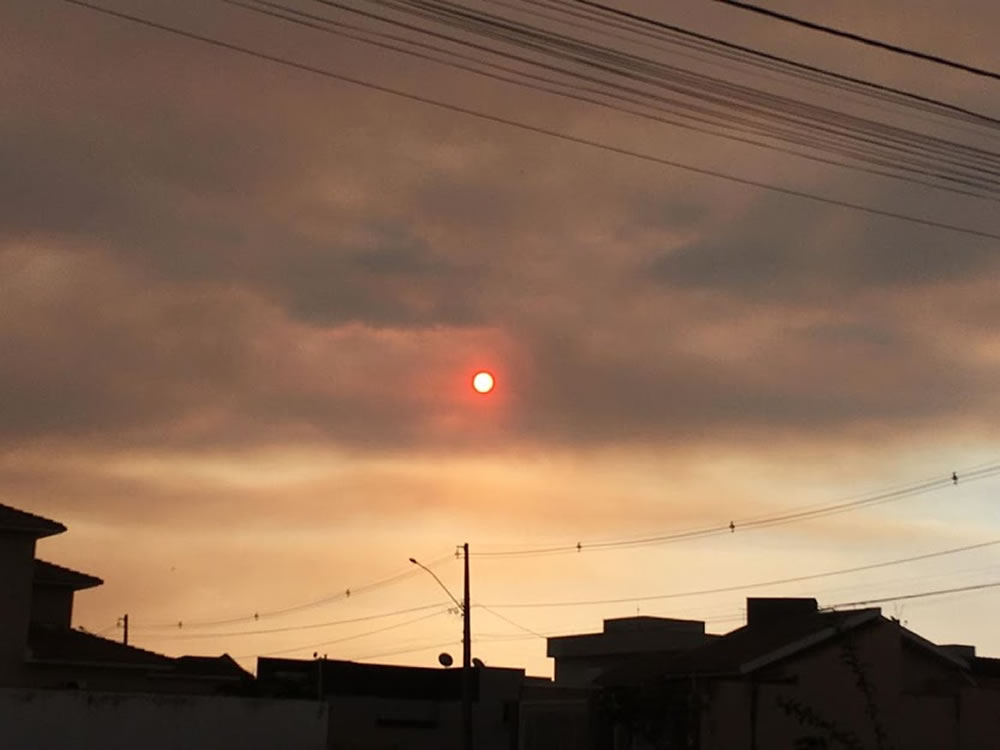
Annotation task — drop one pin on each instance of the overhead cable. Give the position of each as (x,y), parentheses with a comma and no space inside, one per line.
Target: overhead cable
(520,125)
(913,96)
(686,83)
(817,511)
(696,119)
(293,628)
(869,41)
(342,595)
(344,639)
(747,586)
(918,595)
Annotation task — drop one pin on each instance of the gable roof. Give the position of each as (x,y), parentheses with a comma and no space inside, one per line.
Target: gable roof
(51,643)
(745,649)
(941,652)
(77,648)
(22,522)
(50,574)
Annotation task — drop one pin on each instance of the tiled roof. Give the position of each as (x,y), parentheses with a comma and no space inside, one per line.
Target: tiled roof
(50,574)
(741,650)
(19,521)
(50,643)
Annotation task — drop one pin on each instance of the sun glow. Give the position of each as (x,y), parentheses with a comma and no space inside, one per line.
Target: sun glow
(483,382)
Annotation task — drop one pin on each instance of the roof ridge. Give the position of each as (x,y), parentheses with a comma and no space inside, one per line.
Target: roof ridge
(15,519)
(129,646)
(70,576)
(56,643)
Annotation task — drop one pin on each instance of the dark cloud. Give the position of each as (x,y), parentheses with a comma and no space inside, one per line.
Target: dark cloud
(813,382)
(99,353)
(774,251)
(201,249)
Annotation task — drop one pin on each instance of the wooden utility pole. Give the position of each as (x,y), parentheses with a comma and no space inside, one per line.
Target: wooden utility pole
(125,629)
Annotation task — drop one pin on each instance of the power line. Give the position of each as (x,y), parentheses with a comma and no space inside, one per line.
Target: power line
(748,182)
(544,636)
(370,15)
(346,593)
(400,652)
(428,647)
(509,621)
(310,626)
(823,121)
(767,64)
(530,634)
(920,595)
(906,491)
(701,123)
(862,39)
(104,631)
(854,587)
(759,584)
(784,61)
(344,639)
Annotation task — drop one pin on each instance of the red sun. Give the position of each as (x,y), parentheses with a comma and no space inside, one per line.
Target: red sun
(483,382)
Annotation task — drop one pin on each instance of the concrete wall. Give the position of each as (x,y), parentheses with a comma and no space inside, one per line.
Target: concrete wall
(726,721)
(57,719)
(372,723)
(823,689)
(979,726)
(933,725)
(557,718)
(969,720)
(17,561)
(581,659)
(826,691)
(52,605)
(582,671)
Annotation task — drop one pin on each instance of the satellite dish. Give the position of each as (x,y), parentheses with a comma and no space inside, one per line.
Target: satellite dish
(445,660)
(478,663)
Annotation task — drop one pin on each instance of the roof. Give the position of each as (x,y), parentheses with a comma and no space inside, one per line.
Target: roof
(222,667)
(743,650)
(631,635)
(22,522)
(299,676)
(51,643)
(985,666)
(50,574)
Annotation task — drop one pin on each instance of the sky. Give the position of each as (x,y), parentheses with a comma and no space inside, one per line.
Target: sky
(241,305)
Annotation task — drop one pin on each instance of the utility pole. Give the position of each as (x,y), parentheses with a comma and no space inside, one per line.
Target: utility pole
(320,661)
(465,607)
(125,629)
(467,659)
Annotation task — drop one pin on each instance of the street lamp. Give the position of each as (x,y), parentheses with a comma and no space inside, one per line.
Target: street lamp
(466,646)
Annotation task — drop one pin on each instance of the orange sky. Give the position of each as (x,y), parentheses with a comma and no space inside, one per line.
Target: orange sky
(241,306)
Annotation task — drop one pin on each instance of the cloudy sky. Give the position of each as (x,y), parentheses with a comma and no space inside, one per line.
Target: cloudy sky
(241,304)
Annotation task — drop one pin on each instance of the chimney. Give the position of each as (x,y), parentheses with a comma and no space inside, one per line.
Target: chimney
(765,611)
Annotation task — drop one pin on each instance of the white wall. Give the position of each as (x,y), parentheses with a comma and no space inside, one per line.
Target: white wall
(57,719)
